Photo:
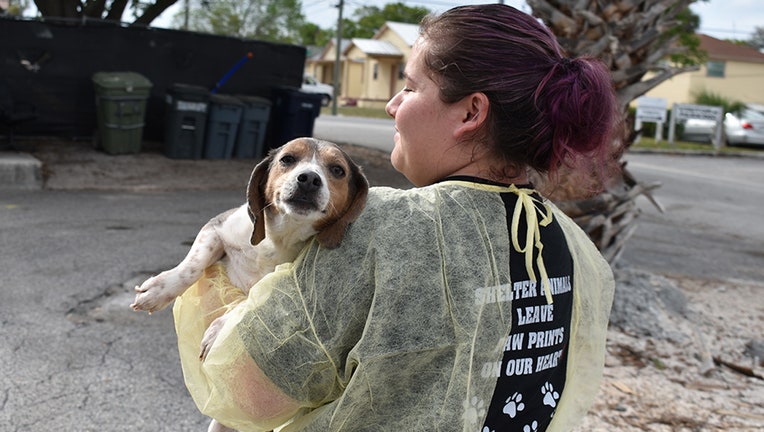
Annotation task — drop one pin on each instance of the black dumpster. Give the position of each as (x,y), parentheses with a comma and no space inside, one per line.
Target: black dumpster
(253,126)
(222,126)
(293,115)
(185,121)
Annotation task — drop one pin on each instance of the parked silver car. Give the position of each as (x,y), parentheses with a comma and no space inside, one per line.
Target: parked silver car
(311,85)
(746,127)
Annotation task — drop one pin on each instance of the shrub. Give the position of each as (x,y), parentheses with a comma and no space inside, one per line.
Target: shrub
(706,97)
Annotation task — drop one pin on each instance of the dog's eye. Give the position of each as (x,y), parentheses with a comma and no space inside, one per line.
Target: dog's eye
(288,159)
(338,171)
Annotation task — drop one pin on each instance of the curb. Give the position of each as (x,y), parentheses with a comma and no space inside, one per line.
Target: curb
(713,153)
(20,171)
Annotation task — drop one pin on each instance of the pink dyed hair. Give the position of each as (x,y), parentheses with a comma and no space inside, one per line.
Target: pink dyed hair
(545,110)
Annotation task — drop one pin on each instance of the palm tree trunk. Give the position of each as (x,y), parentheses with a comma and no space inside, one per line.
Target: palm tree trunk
(632,37)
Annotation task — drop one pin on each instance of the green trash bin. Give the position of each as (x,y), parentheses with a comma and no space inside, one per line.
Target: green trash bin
(120,99)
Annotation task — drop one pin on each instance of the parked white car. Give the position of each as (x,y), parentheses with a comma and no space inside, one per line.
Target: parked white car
(746,127)
(311,85)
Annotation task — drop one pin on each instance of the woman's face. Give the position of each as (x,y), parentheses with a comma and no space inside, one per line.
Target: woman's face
(426,147)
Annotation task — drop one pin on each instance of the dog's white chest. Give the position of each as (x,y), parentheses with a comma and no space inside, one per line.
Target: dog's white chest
(247,264)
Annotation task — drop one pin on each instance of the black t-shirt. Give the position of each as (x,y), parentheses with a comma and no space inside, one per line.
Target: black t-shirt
(531,376)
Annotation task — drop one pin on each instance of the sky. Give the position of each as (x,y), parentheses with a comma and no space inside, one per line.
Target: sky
(722,19)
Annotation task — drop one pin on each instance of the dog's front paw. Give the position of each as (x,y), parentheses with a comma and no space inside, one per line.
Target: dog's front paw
(210,335)
(153,295)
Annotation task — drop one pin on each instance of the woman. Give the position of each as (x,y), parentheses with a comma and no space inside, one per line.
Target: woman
(467,303)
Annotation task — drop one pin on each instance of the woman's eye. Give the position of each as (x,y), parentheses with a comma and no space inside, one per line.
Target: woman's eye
(338,171)
(288,159)
(407,90)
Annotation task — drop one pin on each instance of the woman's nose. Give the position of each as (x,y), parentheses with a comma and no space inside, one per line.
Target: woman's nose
(392,105)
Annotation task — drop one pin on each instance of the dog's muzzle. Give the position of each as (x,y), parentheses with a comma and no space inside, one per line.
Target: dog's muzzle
(306,191)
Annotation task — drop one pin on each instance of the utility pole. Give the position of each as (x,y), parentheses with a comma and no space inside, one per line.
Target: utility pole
(186,11)
(338,52)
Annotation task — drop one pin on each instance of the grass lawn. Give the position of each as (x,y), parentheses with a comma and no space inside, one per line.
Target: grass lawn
(663,145)
(356,112)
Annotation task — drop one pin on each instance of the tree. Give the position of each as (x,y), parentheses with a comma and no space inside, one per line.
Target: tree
(272,20)
(369,19)
(633,38)
(143,13)
(14,8)
(312,35)
(757,38)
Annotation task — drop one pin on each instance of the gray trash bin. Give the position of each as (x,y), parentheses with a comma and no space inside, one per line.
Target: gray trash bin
(253,126)
(222,126)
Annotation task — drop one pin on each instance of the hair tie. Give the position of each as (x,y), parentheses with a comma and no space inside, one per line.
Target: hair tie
(565,61)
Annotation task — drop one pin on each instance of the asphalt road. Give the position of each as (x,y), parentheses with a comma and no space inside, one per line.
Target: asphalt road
(372,133)
(76,358)
(713,224)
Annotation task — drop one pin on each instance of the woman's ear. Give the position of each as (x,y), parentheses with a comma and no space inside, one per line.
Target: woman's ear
(475,112)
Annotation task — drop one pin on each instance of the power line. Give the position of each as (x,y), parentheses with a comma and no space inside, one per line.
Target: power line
(314,4)
(729,31)
(311,4)
(432,2)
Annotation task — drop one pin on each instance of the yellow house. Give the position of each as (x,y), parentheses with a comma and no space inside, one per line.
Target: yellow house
(732,71)
(320,63)
(371,70)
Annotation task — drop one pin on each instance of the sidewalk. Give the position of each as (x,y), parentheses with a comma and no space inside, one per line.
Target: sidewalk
(60,164)
(20,171)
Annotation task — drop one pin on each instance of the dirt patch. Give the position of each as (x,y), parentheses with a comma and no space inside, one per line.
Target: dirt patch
(73,165)
(684,377)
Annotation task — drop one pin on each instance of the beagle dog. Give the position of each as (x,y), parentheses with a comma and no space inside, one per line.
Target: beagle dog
(304,188)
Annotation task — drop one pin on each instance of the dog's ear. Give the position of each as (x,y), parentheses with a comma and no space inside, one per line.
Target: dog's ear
(256,198)
(331,235)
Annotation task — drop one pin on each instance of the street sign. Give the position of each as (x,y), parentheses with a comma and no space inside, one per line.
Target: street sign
(651,109)
(701,112)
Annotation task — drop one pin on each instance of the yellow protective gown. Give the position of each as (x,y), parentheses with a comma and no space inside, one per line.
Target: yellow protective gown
(386,332)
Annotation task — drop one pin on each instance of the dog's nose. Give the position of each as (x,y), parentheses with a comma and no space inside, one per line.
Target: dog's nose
(308,181)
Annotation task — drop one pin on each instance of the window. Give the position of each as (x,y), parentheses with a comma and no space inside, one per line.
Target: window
(376,70)
(715,69)
(751,114)
(401,69)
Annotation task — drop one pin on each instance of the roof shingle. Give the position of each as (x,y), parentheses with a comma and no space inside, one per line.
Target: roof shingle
(723,50)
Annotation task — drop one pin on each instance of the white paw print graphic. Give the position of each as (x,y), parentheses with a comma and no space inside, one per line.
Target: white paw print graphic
(550,396)
(514,405)
(533,427)
(487,429)
(474,410)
